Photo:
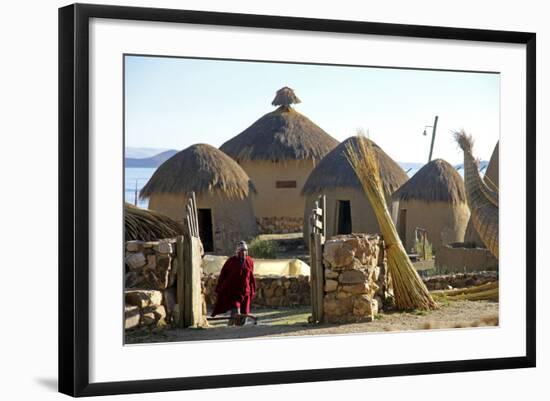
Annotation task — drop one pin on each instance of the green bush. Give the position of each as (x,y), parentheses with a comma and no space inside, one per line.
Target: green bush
(263,249)
(419,246)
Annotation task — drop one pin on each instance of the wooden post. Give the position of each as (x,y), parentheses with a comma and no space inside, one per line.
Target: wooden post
(180,283)
(324,217)
(433,138)
(192,290)
(319,278)
(195,214)
(317,225)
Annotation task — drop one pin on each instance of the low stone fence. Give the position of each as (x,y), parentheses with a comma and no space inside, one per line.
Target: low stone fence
(151,265)
(144,308)
(150,277)
(356,280)
(271,291)
(280,225)
(460,280)
(459,257)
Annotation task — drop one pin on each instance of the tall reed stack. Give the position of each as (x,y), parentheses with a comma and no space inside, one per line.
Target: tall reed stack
(409,290)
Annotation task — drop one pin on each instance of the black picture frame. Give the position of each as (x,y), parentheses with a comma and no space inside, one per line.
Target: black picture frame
(74,200)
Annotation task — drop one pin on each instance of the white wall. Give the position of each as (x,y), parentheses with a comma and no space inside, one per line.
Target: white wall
(28,128)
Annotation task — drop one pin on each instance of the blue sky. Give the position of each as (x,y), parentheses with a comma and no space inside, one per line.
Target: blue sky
(176,102)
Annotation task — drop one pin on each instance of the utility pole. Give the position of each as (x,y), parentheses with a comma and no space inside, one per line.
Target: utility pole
(433,138)
(136,195)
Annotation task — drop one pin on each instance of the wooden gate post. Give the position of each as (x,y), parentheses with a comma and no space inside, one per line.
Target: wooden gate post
(317,227)
(180,281)
(189,294)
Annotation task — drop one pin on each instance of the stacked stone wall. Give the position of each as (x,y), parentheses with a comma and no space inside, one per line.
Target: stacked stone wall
(356,280)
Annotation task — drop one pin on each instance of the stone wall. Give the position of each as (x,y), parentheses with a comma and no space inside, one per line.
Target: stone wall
(280,225)
(356,280)
(460,280)
(458,257)
(150,265)
(271,291)
(150,277)
(144,308)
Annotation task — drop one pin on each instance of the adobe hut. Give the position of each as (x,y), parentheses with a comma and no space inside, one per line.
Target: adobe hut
(491,179)
(434,199)
(348,208)
(222,191)
(278,152)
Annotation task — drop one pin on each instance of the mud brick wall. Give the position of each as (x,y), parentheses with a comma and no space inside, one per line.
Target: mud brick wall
(457,257)
(271,291)
(356,279)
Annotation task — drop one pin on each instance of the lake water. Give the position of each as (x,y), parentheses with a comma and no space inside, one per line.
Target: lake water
(136,177)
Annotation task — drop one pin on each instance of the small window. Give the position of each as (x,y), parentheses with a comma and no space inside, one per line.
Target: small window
(285,184)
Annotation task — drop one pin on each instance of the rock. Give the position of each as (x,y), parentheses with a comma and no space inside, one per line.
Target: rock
(352,277)
(148,319)
(363,307)
(164,247)
(343,295)
(362,288)
(143,298)
(331,274)
(131,279)
(337,254)
(338,307)
(133,246)
(151,262)
(163,262)
(154,315)
(331,285)
(136,260)
(131,317)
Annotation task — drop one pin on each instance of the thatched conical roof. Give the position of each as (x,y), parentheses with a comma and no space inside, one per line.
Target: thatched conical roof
(283,134)
(285,97)
(199,168)
(436,181)
(335,171)
(148,225)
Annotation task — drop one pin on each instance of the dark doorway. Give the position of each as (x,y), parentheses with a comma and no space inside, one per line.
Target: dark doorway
(344,217)
(205,229)
(402,218)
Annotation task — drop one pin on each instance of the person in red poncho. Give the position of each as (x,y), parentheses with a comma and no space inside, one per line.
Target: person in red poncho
(236,285)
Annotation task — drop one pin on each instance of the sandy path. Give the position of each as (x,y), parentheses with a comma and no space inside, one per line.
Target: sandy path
(292,322)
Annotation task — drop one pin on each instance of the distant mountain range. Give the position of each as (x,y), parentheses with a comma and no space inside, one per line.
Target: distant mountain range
(151,161)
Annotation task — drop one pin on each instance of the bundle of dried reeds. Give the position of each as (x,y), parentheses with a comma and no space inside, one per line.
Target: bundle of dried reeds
(148,225)
(409,290)
(484,292)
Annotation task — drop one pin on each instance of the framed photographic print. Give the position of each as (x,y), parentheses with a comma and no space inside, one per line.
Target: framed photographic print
(305,197)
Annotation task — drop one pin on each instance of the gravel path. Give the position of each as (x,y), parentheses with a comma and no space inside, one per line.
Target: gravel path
(293,322)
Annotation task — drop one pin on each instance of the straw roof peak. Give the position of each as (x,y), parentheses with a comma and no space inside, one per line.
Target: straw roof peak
(283,134)
(335,171)
(199,168)
(436,181)
(285,97)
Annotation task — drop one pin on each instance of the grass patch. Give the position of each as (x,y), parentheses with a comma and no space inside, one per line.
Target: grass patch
(263,249)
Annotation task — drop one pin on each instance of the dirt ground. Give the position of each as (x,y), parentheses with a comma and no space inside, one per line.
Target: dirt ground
(293,322)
